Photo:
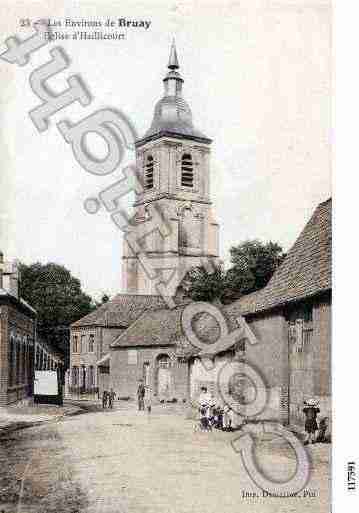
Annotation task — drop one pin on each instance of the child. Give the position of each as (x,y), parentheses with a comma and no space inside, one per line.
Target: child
(227,420)
(147,399)
(310,411)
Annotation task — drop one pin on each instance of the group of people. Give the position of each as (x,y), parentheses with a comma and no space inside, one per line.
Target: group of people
(222,417)
(108,399)
(213,415)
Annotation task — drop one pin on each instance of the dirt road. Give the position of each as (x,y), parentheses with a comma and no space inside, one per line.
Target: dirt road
(125,461)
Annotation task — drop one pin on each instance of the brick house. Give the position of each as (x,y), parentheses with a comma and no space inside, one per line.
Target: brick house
(17,338)
(91,336)
(150,349)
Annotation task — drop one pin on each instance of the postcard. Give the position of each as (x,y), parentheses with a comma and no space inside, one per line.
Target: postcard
(166,257)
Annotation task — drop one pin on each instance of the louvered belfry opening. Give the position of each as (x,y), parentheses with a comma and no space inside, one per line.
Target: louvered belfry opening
(149,173)
(187,170)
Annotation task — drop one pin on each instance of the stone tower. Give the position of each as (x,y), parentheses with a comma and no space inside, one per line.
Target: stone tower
(173,159)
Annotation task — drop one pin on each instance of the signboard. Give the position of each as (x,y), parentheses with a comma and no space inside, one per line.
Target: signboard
(47,387)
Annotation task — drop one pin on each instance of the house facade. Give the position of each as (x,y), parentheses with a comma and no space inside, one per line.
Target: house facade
(22,352)
(17,338)
(91,337)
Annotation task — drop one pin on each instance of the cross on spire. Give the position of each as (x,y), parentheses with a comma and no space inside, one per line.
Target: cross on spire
(173,60)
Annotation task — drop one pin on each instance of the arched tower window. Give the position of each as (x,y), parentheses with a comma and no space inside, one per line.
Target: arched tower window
(187,170)
(148,182)
(75,344)
(91,344)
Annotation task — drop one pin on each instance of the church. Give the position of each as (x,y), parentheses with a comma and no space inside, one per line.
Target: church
(139,335)
(175,161)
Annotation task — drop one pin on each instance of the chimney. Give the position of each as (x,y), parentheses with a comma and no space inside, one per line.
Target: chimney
(10,278)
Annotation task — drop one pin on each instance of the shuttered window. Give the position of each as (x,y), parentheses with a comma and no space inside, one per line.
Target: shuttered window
(187,170)
(149,173)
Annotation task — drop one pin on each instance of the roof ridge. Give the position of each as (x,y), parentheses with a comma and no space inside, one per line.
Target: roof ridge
(298,276)
(127,330)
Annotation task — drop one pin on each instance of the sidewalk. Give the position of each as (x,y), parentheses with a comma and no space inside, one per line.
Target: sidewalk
(26,414)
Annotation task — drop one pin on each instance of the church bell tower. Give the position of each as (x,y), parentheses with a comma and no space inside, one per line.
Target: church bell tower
(173,159)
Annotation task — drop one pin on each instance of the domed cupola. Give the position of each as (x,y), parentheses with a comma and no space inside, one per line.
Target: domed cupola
(172,115)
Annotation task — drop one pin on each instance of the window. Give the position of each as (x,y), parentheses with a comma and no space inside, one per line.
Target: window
(300,330)
(91,377)
(75,345)
(91,344)
(164,361)
(37,364)
(11,361)
(75,376)
(132,357)
(148,181)
(187,170)
(82,345)
(23,361)
(146,373)
(18,362)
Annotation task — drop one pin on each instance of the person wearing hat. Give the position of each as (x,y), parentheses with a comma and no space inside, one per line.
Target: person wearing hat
(310,411)
(141,395)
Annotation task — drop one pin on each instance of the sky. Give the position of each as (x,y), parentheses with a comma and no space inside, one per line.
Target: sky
(258,80)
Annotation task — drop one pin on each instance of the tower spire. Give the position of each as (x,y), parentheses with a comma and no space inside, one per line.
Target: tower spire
(173,60)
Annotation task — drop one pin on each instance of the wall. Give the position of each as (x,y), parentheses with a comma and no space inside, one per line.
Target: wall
(4,347)
(270,358)
(314,369)
(83,358)
(16,325)
(125,375)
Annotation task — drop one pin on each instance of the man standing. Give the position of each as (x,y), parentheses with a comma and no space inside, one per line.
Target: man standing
(147,399)
(141,395)
(111,398)
(104,399)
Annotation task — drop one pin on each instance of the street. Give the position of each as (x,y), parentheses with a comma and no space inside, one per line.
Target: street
(128,461)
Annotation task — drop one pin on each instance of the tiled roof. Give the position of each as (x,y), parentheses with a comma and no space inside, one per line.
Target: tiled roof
(163,327)
(121,311)
(5,293)
(306,270)
(157,327)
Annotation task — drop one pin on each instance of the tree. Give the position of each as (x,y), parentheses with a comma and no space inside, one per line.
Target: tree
(58,299)
(253,264)
(201,285)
